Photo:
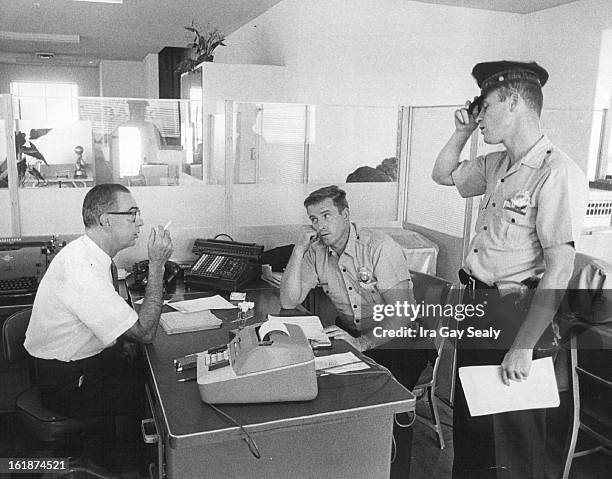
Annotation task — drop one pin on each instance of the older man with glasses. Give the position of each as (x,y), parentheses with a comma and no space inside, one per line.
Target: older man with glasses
(79,319)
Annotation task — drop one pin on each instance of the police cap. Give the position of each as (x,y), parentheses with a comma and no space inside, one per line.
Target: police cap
(489,75)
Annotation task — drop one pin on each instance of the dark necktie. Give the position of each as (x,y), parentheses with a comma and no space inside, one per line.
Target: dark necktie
(115,276)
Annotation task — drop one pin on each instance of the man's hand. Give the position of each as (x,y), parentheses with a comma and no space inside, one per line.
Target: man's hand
(464,122)
(308,235)
(339,333)
(159,246)
(516,365)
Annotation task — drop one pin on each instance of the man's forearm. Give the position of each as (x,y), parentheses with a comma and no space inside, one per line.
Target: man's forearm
(448,158)
(543,308)
(291,284)
(392,323)
(150,312)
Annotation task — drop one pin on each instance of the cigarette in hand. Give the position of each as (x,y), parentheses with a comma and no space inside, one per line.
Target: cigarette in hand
(168,225)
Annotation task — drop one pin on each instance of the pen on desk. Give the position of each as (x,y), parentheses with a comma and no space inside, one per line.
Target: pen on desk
(185,380)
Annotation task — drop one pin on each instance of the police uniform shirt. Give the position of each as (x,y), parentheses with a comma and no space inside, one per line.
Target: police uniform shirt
(77,313)
(371,263)
(537,203)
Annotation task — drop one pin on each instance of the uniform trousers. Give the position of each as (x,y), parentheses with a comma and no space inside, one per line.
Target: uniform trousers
(496,446)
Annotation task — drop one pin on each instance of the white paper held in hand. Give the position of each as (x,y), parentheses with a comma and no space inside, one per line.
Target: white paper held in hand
(486,393)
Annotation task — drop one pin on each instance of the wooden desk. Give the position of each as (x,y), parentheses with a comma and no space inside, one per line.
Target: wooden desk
(344,433)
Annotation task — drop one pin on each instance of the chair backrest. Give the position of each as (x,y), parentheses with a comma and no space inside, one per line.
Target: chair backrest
(432,290)
(13,335)
(589,292)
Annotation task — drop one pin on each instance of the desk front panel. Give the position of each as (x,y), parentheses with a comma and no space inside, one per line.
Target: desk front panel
(341,449)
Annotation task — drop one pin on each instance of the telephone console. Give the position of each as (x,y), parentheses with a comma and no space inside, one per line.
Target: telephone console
(223,265)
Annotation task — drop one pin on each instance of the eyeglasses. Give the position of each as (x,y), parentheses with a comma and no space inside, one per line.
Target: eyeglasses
(133,212)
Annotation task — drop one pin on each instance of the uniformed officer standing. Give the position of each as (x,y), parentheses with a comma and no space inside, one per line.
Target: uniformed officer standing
(529,220)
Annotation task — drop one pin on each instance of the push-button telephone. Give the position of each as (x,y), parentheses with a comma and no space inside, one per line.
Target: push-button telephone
(223,265)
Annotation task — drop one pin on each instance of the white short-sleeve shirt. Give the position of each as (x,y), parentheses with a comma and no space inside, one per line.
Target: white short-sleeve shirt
(77,313)
(539,202)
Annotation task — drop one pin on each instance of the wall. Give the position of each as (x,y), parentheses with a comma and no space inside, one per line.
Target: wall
(387,52)
(571,41)
(85,77)
(567,41)
(122,79)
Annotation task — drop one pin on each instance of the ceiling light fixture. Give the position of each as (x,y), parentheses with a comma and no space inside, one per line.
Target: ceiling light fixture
(39,37)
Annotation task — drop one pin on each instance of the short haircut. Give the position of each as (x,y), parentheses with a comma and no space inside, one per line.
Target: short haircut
(530,92)
(332,192)
(99,200)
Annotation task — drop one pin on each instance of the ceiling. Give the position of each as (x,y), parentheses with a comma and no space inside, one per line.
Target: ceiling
(127,31)
(512,6)
(131,30)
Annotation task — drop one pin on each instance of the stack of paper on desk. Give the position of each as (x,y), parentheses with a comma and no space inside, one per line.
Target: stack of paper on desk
(487,394)
(202,304)
(312,327)
(177,322)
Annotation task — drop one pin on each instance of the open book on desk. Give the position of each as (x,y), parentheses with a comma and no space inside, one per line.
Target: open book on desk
(312,327)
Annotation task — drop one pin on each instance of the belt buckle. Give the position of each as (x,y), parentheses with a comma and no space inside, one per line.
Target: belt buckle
(471,286)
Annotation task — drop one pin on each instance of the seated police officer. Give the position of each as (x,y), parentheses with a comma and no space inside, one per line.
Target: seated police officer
(78,316)
(358,269)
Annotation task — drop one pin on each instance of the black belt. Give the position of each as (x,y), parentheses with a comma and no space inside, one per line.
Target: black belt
(471,282)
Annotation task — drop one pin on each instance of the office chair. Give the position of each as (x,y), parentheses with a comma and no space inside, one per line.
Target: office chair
(46,426)
(433,290)
(591,382)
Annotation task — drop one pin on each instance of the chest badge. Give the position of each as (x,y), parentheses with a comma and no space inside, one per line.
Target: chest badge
(518,203)
(364,275)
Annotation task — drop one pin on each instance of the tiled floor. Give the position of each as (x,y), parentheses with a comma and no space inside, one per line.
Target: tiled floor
(428,461)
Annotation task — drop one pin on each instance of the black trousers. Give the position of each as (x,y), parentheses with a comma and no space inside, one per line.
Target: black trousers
(406,365)
(103,385)
(497,446)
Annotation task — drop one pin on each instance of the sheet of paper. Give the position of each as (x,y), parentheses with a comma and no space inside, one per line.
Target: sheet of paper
(487,394)
(177,322)
(339,363)
(202,304)
(311,325)
(271,326)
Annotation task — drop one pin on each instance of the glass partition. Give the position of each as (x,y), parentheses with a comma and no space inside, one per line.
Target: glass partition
(282,152)
(135,142)
(6,228)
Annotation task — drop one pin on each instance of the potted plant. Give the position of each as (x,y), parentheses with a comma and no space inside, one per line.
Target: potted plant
(205,40)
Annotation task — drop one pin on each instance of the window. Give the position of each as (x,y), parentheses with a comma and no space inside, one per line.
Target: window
(46,101)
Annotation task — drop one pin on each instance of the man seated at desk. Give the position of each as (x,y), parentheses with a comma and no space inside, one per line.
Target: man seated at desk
(78,315)
(358,269)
